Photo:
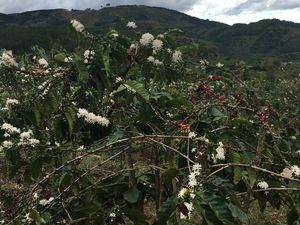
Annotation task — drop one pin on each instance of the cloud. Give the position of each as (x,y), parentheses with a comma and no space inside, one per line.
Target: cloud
(13,6)
(263,5)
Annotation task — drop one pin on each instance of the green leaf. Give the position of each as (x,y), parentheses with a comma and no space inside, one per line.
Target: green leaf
(219,206)
(238,214)
(139,88)
(37,115)
(169,174)
(120,89)
(132,195)
(60,57)
(251,176)
(83,74)
(237,174)
(167,210)
(37,217)
(36,167)
(136,216)
(70,115)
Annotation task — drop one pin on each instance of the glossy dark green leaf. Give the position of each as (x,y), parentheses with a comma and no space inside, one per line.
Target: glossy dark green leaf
(132,195)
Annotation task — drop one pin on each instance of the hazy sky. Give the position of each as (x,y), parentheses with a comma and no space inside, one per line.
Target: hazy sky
(226,11)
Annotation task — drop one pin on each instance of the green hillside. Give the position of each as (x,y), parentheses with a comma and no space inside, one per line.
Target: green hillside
(266,38)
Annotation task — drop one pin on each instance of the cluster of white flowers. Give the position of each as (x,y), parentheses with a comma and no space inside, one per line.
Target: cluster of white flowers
(157,45)
(7,59)
(45,202)
(10,102)
(26,139)
(77,25)
(219,65)
(68,59)
(205,139)
(7,144)
(263,185)
(204,63)
(112,215)
(155,62)
(295,170)
(190,190)
(190,208)
(192,135)
(161,36)
(88,55)
(220,152)
(114,34)
(80,148)
(131,24)
(10,128)
(146,39)
(182,192)
(119,80)
(43,62)
(193,175)
(44,86)
(177,56)
(92,118)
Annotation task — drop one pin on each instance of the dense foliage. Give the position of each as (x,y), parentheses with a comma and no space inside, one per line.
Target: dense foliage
(129,131)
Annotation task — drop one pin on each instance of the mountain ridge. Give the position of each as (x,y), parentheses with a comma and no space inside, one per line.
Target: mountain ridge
(265,38)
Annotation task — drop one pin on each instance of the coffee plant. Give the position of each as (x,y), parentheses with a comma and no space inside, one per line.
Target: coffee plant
(136,130)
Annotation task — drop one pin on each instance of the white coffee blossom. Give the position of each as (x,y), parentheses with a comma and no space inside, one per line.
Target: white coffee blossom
(157,62)
(197,168)
(190,208)
(7,144)
(161,36)
(295,170)
(131,24)
(219,65)
(10,102)
(151,59)
(206,140)
(220,152)
(177,56)
(182,192)
(146,39)
(192,135)
(7,59)
(192,195)
(92,118)
(45,202)
(26,134)
(42,62)
(157,44)
(77,26)
(112,215)
(10,128)
(80,148)
(192,180)
(263,185)
(68,59)
(35,196)
(182,216)
(88,54)
(27,139)
(119,80)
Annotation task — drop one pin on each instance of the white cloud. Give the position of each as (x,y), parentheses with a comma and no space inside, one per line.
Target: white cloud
(226,11)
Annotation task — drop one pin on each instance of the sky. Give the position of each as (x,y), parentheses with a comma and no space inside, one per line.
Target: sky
(226,11)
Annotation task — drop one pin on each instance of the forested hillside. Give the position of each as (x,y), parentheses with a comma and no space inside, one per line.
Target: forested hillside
(266,38)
